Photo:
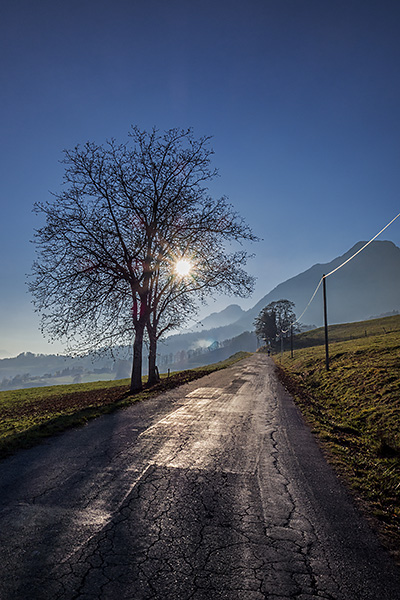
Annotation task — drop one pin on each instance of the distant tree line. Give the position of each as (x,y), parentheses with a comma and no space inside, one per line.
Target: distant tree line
(243,341)
(23,380)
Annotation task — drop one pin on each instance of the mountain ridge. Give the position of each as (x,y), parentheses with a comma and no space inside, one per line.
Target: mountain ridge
(355,292)
(228,315)
(354,280)
(367,286)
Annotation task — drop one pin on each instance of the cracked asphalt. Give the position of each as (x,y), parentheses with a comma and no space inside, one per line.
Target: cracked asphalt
(215,490)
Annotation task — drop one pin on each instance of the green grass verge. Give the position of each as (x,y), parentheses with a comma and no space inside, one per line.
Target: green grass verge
(29,415)
(355,410)
(349,331)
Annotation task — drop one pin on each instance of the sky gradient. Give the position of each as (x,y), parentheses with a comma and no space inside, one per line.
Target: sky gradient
(301,97)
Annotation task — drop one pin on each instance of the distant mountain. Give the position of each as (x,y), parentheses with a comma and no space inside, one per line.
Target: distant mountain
(368,285)
(229,315)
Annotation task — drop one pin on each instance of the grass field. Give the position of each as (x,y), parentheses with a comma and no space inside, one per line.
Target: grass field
(349,331)
(29,415)
(355,408)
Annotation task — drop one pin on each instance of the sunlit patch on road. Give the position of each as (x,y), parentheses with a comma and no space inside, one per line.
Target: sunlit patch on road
(205,392)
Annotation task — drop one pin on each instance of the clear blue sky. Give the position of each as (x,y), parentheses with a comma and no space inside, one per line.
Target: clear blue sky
(302,98)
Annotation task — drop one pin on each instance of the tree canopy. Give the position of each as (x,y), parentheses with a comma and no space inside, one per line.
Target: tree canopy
(105,270)
(275,321)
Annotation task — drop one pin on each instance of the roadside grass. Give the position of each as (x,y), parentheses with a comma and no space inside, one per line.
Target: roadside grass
(354,408)
(27,416)
(349,331)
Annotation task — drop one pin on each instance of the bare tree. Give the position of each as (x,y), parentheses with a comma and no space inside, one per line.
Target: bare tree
(265,325)
(106,253)
(173,299)
(275,320)
(202,239)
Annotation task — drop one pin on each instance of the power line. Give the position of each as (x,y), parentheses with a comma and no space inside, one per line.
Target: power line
(309,302)
(340,266)
(361,249)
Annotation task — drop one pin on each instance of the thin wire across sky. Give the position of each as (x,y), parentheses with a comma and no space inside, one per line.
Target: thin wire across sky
(339,267)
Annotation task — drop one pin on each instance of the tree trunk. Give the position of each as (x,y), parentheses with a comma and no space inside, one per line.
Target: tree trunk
(136,377)
(154,376)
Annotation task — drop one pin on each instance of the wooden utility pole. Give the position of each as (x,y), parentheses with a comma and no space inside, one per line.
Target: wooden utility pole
(326,324)
(291,341)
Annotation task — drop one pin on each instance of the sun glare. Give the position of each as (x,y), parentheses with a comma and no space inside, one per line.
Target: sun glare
(183,267)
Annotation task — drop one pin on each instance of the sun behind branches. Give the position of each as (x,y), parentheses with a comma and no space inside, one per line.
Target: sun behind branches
(183,267)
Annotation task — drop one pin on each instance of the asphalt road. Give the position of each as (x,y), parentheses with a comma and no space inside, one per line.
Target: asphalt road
(215,490)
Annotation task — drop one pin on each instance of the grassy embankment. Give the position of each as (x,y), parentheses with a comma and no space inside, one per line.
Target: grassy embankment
(29,415)
(355,409)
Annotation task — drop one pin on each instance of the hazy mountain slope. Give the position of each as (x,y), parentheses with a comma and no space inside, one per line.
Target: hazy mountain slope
(368,285)
(229,315)
(203,338)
